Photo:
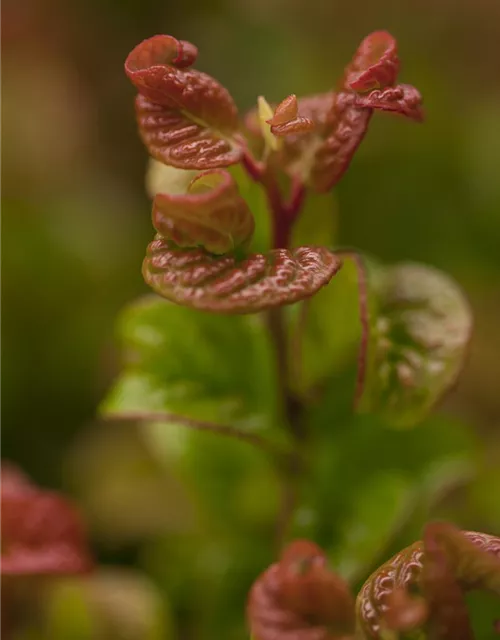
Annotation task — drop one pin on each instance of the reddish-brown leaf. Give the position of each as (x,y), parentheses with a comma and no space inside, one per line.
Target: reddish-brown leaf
(448,615)
(473,559)
(195,278)
(321,154)
(212,214)
(186,118)
(347,126)
(403,99)
(375,64)
(41,532)
(299,598)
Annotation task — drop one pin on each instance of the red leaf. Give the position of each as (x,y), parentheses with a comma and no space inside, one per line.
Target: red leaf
(320,156)
(449,618)
(375,64)
(212,214)
(403,99)
(299,598)
(195,278)
(186,118)
(41,531)
(473,558)
(347,126)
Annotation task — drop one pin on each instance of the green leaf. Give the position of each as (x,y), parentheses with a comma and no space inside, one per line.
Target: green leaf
(215,369)
(419,324)
(378,508)
(224,478)
(324,335)
(348,451)
(195,364)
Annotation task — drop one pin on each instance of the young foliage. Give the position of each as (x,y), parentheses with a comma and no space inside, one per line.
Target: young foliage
(241,229)
(186,118)
(226,285)
(189,121)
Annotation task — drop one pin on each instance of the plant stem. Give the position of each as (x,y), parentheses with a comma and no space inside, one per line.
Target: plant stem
(293,415)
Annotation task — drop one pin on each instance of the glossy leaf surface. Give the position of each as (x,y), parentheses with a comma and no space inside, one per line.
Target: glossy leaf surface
(41,531)
(165,382)
(211,214)
(186,118)
(420,325)
(223,284)
(375,64)
(163,372)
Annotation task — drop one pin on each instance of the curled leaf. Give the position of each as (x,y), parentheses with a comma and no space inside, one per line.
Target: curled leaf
(223,284)
(403,99)
(212,214)
(449,618)
(300,598)
(286,119)
(419,326)
(320,158)
(375,64)
(41,531)
(186,118)
(446,563)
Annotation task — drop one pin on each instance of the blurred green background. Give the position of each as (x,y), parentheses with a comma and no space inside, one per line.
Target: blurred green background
(76,219)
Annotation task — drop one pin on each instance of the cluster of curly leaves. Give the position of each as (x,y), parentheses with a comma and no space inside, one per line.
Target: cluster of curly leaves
(202,255)
(419,593)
